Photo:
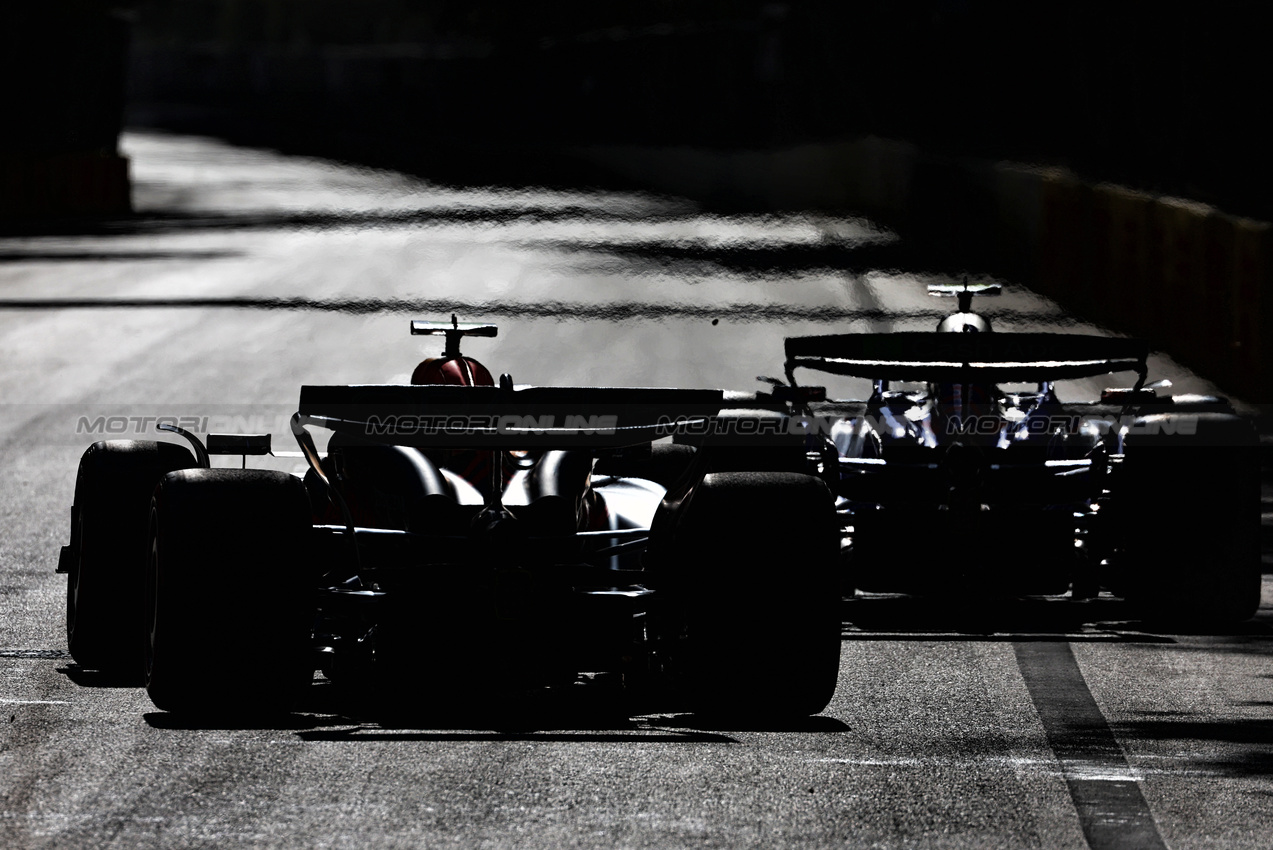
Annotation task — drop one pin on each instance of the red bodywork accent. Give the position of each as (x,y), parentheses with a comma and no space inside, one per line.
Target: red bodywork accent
(474,466)
(456,371)
(596,513)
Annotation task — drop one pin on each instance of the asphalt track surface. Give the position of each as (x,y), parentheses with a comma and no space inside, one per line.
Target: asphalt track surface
(247,273)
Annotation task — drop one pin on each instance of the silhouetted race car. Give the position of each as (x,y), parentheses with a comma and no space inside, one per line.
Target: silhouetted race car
(458,537)
(964,471)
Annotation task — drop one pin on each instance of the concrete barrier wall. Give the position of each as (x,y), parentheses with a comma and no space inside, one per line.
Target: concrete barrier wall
(74,184)
(62,65)
(1191,279)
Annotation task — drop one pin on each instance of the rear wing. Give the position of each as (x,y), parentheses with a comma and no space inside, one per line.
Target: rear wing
(441,416)
(927,356)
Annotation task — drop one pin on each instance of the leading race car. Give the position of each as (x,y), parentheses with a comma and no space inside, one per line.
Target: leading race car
(965,471)
(462,536)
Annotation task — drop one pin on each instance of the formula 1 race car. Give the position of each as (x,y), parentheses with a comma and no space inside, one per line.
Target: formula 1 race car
(464,536)
(964,471)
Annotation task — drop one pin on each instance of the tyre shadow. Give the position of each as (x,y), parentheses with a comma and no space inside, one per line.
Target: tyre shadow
(582,712)
(570,714)
(815,724)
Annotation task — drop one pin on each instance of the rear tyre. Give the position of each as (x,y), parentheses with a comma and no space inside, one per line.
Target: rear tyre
(105,590)
(1190,510)
(755,621)
(230,608)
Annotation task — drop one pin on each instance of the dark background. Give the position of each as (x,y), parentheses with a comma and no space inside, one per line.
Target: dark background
(1169,98)
(901,110)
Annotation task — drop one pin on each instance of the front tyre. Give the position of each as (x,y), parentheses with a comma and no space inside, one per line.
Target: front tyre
(230,607)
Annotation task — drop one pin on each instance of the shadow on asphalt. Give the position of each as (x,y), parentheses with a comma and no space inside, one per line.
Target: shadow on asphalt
(815,724)
(898,617)
(636,736)
(235,722)
(766,261)
(82,256)
(1248,742)
(570,714)
(369,721)
(167,223)
(769,262)
(620,311)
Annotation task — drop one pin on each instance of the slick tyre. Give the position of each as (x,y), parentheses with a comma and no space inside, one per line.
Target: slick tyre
(230,609)
(756,623)
(105,591)
(1191,507)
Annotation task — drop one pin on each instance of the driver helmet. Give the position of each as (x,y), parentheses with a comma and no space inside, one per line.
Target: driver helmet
(473,465)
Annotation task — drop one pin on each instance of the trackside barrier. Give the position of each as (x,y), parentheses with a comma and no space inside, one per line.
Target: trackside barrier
(951,204)
(874,175)
(1017,192)
(1252,303)
(1192,280)
(1123,259)
(690,172)
(796,176)
(1180,310)
(887,176)
(1217,343)
(1064,268)
(65,184)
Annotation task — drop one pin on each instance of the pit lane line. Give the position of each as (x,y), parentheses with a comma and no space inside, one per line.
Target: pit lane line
(1112,810)
(1113,813)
